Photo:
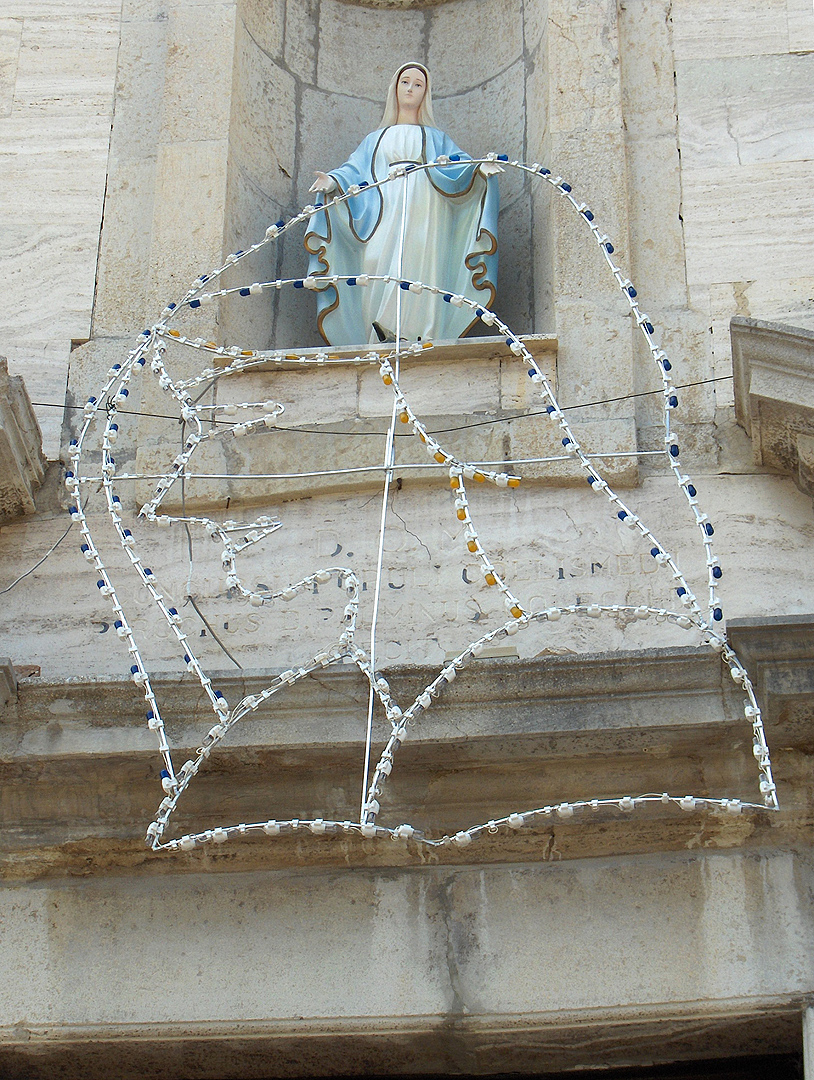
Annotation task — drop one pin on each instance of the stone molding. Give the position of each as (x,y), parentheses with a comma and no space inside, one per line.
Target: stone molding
(478,378)
(506,735)
(525,1043)
(778,652)
(84,775)
(22,464)
(773,365)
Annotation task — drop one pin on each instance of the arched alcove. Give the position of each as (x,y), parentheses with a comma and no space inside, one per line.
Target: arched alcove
(309,84)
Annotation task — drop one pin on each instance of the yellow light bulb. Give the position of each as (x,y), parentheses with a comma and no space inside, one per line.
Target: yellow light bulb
(479,477)
(516,611)
(405,418)
(461,514)
(490,579)
(472,545)
(175,333)
(514,481)
(387,380)
(439,457)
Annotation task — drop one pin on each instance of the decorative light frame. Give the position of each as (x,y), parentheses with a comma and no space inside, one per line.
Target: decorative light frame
(113,395)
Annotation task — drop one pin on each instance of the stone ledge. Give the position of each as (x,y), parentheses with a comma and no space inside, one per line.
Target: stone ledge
(472,394)
(778,652)
(585,704)
(773,366)
(509,1043)
(22,464)
(506,735)
(458,350)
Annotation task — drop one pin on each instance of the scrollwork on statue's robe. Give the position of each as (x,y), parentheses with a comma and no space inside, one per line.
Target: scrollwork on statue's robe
(450,240)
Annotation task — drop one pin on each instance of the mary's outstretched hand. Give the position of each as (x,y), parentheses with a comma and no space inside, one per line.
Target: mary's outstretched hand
(489,168)
(323,183)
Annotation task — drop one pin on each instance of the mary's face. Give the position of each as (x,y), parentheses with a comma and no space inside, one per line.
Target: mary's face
(412,86)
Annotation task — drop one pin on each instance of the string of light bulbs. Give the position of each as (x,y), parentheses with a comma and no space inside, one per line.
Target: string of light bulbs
(248,419)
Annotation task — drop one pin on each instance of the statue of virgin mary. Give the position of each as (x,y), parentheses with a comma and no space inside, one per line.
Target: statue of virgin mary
(443,232)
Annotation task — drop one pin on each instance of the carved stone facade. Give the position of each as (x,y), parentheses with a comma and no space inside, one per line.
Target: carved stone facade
(616,940)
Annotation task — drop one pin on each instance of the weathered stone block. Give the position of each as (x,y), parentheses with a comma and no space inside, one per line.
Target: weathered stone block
(390,38)
(595,355)
(725,222)
(597,174)
(8,682)
(583,56)
(22,465)
(200,52)
(535,25)
(489,118)
(302,38)
(67,63)
(646,55)
(656,230)
(472,388)
(10,37)
(122,303)
(187,225)
(140,83)
(265,21)
(701,29)
(453,27)
(331,127)
(262,128)
(745,110)
(800,25)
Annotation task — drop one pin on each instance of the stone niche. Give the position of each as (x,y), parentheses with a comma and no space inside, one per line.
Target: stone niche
(310,78)
(308,83)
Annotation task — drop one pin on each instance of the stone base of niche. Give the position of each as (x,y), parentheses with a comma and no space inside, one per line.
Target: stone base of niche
(474,396)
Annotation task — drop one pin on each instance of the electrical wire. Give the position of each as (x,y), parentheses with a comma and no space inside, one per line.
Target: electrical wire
(407,434)
(389,460)
(377,468)
(39,562)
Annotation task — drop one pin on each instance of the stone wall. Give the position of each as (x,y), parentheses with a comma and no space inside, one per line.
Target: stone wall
(520,969)
(648,123)
(180,130)
(57,81)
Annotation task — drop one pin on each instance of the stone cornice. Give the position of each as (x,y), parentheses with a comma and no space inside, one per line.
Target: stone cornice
(427,1045)
(773,367)
(507,735)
